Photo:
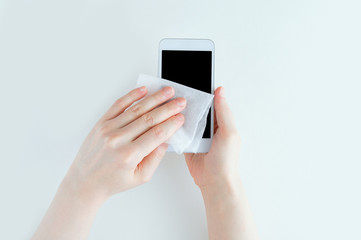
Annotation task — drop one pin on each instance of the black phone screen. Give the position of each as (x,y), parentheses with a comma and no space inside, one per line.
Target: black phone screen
(190,68)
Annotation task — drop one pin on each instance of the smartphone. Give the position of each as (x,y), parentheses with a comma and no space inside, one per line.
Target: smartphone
(190,62)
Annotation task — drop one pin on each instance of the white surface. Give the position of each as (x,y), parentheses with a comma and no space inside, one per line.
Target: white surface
(291,70)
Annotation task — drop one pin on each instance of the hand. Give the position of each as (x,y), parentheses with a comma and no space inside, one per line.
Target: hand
(126,145)
(122,151)
(216,173)
(220,164)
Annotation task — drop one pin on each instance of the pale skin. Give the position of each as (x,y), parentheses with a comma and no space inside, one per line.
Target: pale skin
(124,149)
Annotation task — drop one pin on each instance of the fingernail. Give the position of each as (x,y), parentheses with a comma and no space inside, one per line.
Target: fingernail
(222,92)
(181,102)
(168,90)
(142,89)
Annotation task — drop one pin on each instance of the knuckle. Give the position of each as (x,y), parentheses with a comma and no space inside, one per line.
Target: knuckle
(136,110)
(233,136)
(148,119)
(110,141)
(146,177)
(159,155)
(122,102)
(159,132)
(127,154)
(103,130)
(227,134)
(125,163)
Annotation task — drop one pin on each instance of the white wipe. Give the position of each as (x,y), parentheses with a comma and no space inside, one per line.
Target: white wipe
(188,137)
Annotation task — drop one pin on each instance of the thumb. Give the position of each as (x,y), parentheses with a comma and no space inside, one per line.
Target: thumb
(224,115)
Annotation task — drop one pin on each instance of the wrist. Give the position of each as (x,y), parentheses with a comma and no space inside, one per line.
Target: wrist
(225,188)
(70,214)
(81,194)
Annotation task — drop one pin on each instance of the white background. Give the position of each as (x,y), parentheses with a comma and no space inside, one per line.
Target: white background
(292,73)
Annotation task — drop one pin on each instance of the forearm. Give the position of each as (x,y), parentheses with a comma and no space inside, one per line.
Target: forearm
(228,213)
(69,216)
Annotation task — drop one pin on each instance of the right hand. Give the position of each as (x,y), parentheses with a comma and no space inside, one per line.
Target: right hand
(126,145)
(220,165)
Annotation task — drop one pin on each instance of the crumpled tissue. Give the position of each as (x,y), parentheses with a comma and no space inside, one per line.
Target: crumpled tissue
(188,137)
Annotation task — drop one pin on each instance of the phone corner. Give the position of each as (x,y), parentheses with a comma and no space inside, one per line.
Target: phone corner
(212,42)
(161,41)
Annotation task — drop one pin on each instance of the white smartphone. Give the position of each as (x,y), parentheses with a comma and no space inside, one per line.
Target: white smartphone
(190,62)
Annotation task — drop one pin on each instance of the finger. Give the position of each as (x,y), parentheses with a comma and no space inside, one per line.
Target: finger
(136,128)
(149,164)
(188,156)
(224,115)
(215,126)
(147,142)
(124,102)
(142,107)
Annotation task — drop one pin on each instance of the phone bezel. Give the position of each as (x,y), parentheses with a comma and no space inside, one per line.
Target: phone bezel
(189,44)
